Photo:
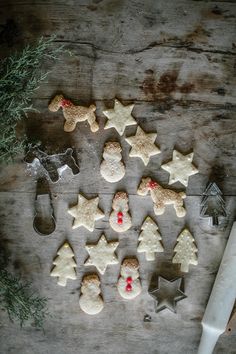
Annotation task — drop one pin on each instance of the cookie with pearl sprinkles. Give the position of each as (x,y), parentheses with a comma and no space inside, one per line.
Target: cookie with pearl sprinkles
(102,254)
(129,285)
(180,168)
(120,219)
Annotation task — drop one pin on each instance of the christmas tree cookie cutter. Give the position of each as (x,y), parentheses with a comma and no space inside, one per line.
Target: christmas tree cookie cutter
(44,222)
(53,165)
(212,204)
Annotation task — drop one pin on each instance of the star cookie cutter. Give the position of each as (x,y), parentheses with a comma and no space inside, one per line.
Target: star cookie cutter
(167,293)
(44,222)
(53,165)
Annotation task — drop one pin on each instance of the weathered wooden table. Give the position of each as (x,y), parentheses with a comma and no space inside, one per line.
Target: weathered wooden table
(176,61)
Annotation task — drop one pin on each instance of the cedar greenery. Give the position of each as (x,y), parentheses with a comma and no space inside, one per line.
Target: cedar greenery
(19,301)
(20,76)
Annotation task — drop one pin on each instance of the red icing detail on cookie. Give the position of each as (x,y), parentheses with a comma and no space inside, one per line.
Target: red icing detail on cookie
(120,214)
(65,103)
(128,287)
(129,280)
(120,221)
(152,184)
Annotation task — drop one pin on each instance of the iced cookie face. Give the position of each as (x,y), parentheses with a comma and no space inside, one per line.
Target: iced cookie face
(120,202)
(130,268)
(91,285)
(112,150)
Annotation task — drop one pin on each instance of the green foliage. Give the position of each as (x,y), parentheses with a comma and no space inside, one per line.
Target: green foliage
(20,76)
(20,303)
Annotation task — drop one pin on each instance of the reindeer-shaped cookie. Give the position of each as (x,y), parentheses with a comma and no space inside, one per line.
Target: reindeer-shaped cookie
(162,197)
(74,114)
(120,219)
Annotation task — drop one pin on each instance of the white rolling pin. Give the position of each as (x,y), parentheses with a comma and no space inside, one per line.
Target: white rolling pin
(222,298)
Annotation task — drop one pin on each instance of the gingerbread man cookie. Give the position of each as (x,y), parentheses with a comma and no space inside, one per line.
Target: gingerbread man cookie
(129,285)
(90,300)
(112,168)
(74,114)
(120,219)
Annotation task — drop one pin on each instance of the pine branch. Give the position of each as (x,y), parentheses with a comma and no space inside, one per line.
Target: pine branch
(20,76)
(20,303)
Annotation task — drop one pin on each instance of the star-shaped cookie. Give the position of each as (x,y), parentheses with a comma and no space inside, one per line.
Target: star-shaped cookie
(86,212)
(180,168)
(167,294)
(102,254)
(119,117)
(143,145)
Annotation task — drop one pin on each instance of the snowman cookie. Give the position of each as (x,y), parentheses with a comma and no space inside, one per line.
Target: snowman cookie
(90,300)
(129,285)
(120,219)
(112,168)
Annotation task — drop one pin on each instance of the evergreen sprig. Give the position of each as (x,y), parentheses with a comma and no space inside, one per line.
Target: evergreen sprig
(20,76)
(19,301)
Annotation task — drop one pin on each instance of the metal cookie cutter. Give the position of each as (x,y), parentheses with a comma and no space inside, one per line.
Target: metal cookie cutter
(44,222)
(53,165)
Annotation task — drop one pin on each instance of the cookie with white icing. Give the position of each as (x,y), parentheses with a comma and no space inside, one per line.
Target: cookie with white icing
(119,117)
(129,285)
(150,239)
(64,265)
(85,213)
(90,300)
(143,145)
(120,219)
(112,168)
(180,168)
(102,254)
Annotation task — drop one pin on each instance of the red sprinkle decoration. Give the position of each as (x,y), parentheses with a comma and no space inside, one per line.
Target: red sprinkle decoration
(129,281)
(65,103)
(152,184)
(128,287)
(120,217)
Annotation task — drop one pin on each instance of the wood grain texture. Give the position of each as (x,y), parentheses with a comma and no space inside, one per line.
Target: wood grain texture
(176,62)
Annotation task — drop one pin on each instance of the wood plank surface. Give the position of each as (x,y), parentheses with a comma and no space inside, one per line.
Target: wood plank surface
(175,60)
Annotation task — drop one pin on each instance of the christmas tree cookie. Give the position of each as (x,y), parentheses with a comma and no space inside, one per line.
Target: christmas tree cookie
(112,168)
(102,254)
(129,285)
(120,219)
(162,197)
(143,145)
(119,117)
(185,251)
(90,300)
(64,265)
(150,239)
(180,168)
(85,213)
(74,114)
